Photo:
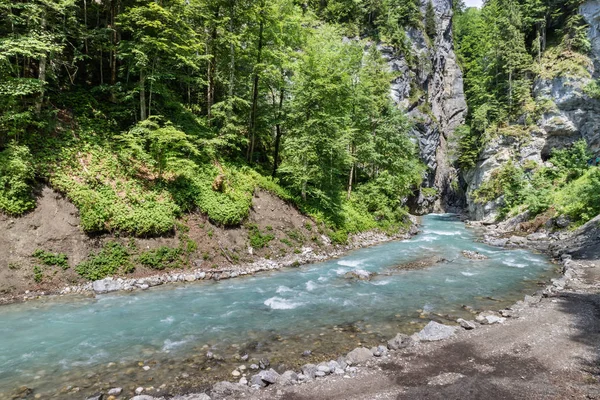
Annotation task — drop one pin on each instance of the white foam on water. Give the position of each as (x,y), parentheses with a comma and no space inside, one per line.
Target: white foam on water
(278,303)
(310,286)
(340,271)
(511,262)
(426,238)
(93,359)
(380,283)
(450,280)
(350,263)
(170,344)
(283,289)
(442,233)
(168,320)
(322,279)
(468,273)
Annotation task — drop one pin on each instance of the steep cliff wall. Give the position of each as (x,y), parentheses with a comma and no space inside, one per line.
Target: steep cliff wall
(570,115)
(431,89)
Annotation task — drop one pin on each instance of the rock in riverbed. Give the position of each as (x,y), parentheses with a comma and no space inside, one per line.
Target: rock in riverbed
(421,263)
(400,341)
(468,325)
(359,274)
(434,331)
(473,255)
(358,356)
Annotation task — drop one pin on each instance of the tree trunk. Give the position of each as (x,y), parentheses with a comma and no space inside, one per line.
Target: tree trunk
(350,181)
(255,91)
(42,71)
(231,56)
(278,134)
(210,48)
(142,96)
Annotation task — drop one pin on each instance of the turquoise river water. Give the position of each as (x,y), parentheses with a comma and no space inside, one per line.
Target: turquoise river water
(71,347)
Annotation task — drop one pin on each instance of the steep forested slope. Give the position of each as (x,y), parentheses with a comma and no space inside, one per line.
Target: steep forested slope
(532,136)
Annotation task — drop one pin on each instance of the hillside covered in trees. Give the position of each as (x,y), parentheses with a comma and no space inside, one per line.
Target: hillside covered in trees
(139,111)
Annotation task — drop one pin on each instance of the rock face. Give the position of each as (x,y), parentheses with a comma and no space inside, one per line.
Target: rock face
(570,115)
(439,109)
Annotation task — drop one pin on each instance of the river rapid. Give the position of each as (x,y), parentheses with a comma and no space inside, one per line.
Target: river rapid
(178,338)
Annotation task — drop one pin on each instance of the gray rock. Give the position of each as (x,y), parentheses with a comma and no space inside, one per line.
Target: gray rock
(287,378)
(320,374)
(358,356)
(95,397)
(254,366)
(309,370)
(257,380)
(359,274)
(497,242)
(537,236)
(400,341)
(306,353)
(333,365)
(264,363)
(323,367)
(195,396)
(224,389)
(143,397)
(532,299)
(517,240)
(434,331)
(473,255)
(562,221)
(107,285)
(342,362)
(489,319)
(468,325)
(269,376)
(115,391)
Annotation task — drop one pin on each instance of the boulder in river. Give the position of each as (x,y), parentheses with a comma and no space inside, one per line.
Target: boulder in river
(400,341)
(489,319)
(434,331)
(473,255)
(358,356)
(421,263)
(359,274)
(309,370)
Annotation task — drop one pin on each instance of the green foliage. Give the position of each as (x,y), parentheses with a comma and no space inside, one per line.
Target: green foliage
(508,181)
(579,199)
(258,239)
(52,259)
(430,23)
(112,259)
(38,274)
(161,258)
(16,177)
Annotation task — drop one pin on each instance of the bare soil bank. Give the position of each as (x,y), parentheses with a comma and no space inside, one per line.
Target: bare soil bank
(54,226)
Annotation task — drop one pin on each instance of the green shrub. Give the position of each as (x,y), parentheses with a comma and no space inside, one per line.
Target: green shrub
(258,240)
(38,275)
(161,258)
(52,259)
(581,198)
(16,176)
(113,258)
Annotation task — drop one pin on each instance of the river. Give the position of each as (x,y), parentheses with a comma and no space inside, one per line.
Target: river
(71,347)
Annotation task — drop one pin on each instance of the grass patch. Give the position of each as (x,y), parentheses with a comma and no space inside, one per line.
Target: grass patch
(161,258)
(51,259)
(113,258)
(258,239)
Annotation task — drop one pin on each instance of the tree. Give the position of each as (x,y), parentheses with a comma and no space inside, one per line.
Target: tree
(430,23)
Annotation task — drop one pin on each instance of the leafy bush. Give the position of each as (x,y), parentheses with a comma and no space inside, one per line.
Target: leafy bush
(38,275)
(160,258)
(581,198)
(113,258)
(508,181)
(52,259)
(258,240)
(16,176)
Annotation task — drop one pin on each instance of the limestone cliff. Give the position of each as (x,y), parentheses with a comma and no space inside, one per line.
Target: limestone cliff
(431,90)
(570,115)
